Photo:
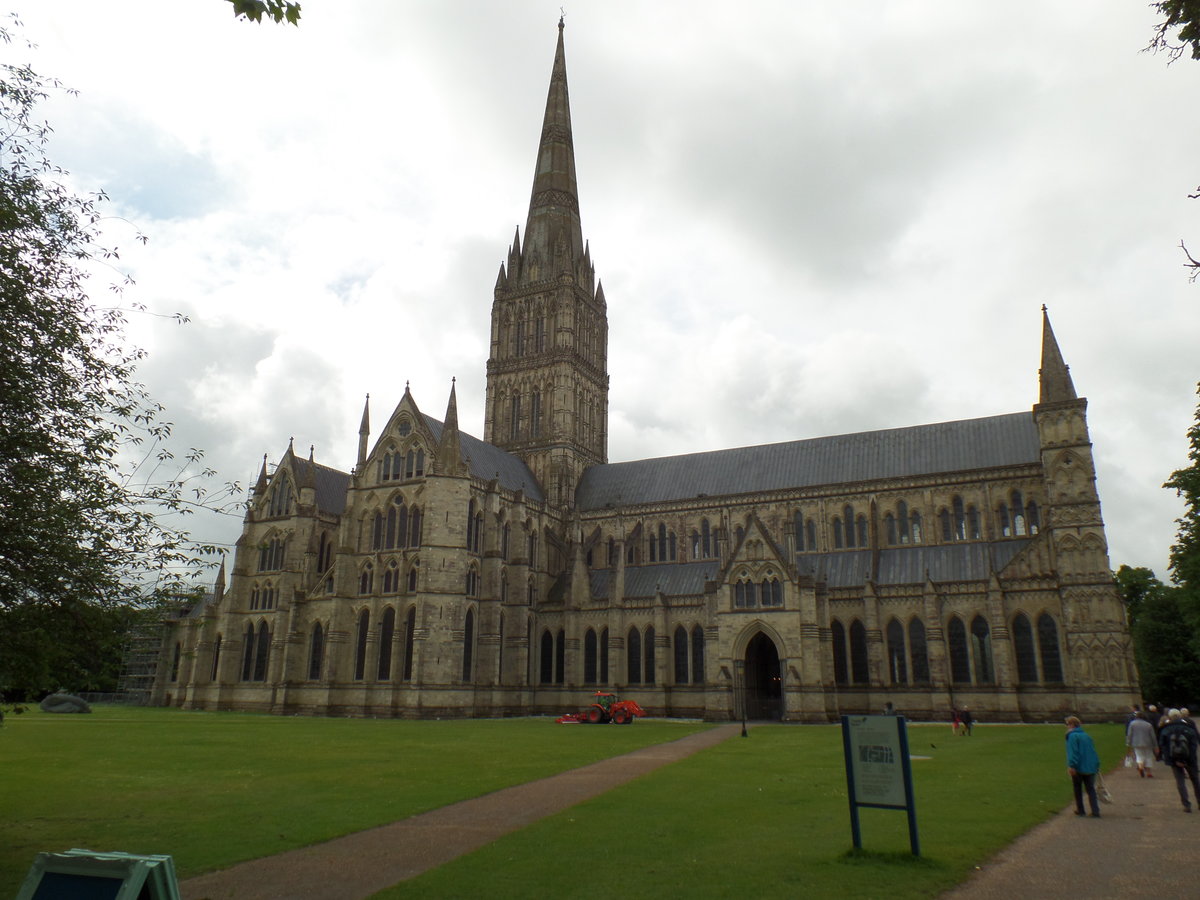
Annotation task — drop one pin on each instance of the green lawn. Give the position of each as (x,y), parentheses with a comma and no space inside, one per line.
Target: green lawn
(216,788)
(765,816)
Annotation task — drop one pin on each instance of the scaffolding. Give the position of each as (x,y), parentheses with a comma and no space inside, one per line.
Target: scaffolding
(143,648)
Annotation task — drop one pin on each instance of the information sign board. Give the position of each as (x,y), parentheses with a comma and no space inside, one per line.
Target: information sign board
(878,769)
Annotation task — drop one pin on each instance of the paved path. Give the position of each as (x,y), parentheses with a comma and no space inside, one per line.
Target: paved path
(359,865)
(1142,846)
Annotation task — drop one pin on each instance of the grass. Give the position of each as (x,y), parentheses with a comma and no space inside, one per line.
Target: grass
(213,789)
(765,816)
(768,817)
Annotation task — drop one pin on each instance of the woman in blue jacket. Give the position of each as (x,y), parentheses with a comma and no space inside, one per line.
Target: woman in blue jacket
(1082,765)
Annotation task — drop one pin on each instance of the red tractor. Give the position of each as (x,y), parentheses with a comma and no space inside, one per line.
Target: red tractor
(607,708)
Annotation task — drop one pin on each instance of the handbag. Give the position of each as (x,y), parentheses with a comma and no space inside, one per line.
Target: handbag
(1102,789)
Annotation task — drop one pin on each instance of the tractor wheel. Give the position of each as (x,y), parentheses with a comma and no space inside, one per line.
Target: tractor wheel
(622,717)
(595,715)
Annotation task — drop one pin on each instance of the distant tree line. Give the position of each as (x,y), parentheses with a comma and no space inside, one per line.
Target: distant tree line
(1165,618)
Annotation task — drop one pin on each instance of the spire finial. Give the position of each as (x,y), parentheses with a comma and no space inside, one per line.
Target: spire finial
(1054,376)
(554,200)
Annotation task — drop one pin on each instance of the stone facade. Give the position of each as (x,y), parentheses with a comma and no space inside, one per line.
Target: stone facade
(955,564)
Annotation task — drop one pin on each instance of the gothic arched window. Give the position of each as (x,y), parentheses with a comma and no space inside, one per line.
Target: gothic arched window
(1022,638)
(387,633)
(697,655)
(279,503)
(681,655)
(560,657)
(981,647)
(897,663)
(589,657)
(859,668)
(547,658)
(633,656)
(1048,647)
(468,646)
(316,652)
(960,659)
(840,669)
(918,651)
(360,645)
(410,630)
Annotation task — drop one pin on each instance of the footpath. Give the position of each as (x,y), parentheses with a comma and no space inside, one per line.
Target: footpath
(1143,845)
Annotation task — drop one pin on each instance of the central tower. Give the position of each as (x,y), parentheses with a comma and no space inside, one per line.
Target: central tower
(547,376)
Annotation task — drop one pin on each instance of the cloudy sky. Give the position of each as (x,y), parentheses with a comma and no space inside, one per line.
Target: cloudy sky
(809,218)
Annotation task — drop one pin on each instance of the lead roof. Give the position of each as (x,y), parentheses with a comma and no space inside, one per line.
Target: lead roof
(969,444)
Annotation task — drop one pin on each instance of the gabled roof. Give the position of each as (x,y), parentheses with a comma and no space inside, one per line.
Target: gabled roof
(331,484)
(965,445)
(488,461)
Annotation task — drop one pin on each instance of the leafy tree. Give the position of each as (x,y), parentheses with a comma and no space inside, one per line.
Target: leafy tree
(1162,645)
(1164,649)
(1185,552)
(88,486)
(1165,619)
(276,10)
(1137,585)
(1179,29)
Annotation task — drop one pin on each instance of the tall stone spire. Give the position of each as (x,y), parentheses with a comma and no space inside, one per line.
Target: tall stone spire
(547,375)
(1054,376)
(553,224)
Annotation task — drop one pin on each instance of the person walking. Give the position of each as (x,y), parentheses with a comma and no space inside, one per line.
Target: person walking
(968,721)
(1139,738)
(1082,765)
(1177,742)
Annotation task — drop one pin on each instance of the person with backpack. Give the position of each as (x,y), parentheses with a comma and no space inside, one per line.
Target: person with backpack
(1082,765)
(1177,742)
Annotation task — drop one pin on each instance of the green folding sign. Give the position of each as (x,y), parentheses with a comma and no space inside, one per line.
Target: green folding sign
(85,875)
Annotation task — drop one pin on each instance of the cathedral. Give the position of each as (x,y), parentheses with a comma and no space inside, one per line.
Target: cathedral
(917,569)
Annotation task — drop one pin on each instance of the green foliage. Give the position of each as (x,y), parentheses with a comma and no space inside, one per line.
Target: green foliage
(88,487)
(1136,586)
(1179,29)
(70,646)
(1163,643)
(276,10)
(213,789)
(1164,646)
(1185,552)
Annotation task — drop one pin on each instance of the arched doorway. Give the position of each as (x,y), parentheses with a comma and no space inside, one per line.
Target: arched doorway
(763,685)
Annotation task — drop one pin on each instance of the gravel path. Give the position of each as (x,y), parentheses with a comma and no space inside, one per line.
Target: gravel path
(1143,845)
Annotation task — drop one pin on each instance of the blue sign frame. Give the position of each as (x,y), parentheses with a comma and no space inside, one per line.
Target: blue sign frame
(879,770)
